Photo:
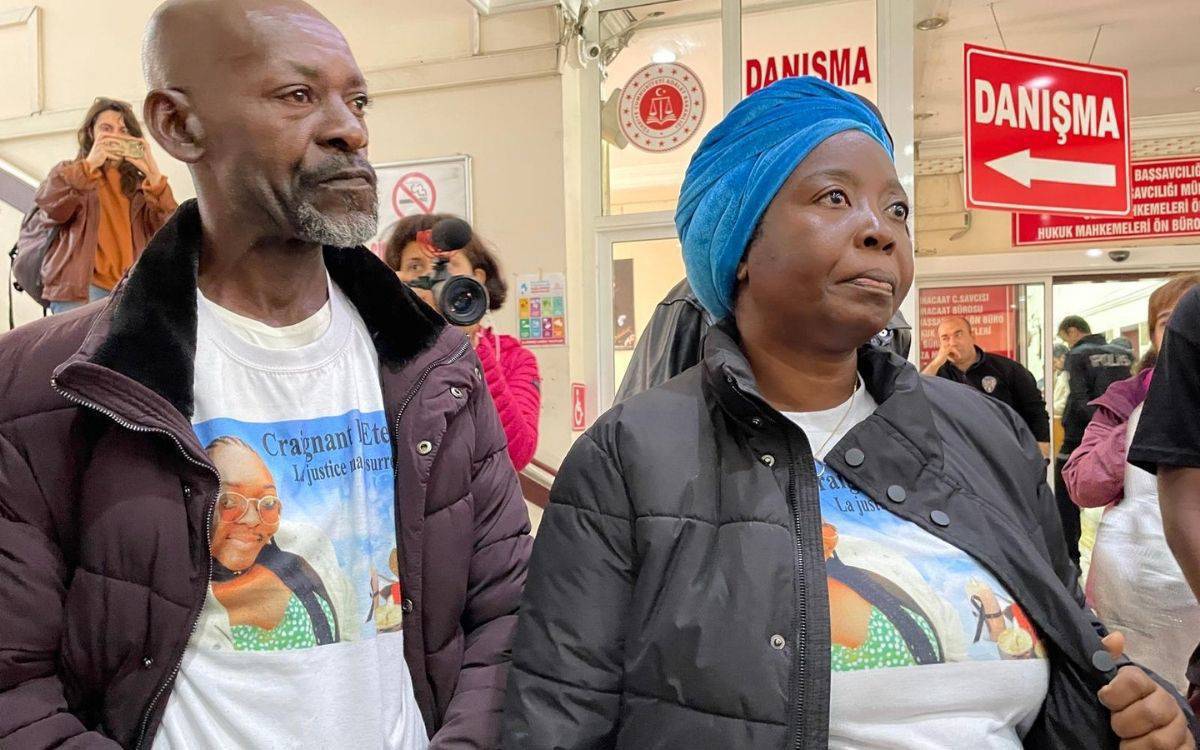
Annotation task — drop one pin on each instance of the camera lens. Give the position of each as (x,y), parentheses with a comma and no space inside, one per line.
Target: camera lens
(463,301)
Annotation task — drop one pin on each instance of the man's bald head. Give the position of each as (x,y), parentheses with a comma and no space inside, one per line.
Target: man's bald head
(186,38)
(264,101)
(956,322)
(957,339)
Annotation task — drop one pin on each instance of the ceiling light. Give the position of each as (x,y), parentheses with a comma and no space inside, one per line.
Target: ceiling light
(1095,252)
(932,23)
(663,56)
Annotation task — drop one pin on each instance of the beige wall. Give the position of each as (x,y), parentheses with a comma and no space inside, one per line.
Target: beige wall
(435,96)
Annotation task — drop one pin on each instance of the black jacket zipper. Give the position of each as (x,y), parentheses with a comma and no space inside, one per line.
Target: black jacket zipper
(799,687)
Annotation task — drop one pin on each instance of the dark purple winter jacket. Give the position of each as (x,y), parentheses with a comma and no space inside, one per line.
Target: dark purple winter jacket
(104,492)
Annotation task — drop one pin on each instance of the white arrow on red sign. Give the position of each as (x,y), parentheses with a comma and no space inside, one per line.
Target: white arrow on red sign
(1044,135)
(1024,168)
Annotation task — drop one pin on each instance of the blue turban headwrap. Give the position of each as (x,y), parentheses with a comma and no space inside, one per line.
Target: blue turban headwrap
(743,162)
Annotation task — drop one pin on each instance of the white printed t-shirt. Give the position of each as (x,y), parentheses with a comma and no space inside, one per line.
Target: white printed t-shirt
(299,642)
(916,662)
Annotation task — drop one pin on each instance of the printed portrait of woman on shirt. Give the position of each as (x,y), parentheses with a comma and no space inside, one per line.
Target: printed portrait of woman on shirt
(899,600)
(272,599)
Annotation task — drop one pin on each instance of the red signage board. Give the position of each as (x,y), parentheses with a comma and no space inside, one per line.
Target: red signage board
(848,66)
(578,407)
(1166,203)
(991,311)
(1045,135)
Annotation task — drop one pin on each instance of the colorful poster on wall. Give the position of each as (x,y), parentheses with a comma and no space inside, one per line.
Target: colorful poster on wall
(542,309)
(428,186)
(1166,203)
(624,327)
(991,311)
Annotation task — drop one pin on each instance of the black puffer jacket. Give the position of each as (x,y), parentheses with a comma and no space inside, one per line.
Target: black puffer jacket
(684,531)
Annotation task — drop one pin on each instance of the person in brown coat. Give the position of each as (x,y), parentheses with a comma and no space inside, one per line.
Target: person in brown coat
(206,481)
(110,200)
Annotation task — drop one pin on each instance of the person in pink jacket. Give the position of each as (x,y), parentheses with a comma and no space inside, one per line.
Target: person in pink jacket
(511,370)
(1134,583)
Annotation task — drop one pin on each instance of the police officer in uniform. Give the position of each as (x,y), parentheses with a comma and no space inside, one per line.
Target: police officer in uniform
(960,359)
(1092,365)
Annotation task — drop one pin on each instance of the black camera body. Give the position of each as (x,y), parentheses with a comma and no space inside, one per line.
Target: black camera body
(461,300)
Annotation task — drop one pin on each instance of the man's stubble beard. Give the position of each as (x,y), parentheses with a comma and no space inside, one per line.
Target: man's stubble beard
(355,227)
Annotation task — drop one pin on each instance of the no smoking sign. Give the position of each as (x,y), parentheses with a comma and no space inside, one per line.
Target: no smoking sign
(414,194)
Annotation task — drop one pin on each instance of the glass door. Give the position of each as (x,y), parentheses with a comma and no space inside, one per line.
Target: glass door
(643,264)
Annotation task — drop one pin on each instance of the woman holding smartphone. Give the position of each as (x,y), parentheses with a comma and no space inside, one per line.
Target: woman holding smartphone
(109,200)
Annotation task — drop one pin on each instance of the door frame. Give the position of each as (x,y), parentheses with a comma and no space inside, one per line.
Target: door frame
(631,228)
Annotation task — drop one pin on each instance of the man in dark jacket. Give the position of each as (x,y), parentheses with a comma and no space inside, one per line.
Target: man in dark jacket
(1092,365)
(396,535)
(960,359)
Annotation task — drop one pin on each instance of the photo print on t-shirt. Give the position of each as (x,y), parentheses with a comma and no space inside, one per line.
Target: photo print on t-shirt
(901,597)
(303,536)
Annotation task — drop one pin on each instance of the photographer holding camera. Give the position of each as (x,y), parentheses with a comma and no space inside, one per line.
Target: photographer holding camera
(436,254)
(108,202)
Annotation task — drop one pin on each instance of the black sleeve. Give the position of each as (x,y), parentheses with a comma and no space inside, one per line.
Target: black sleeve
(1168,433)
(668,345)
(949,372)
(1077,413)
(1029,402)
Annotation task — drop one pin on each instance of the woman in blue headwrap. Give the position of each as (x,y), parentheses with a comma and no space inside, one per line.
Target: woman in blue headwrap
(801,542)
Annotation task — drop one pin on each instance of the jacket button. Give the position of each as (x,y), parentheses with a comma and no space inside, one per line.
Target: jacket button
(855,457)
(187,492)
(147,662)
(406,606)
(896,494)
(768,459)
(940,518)
(778,642)
(756,421)
(456,392)
(424,447)
(1103,662)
